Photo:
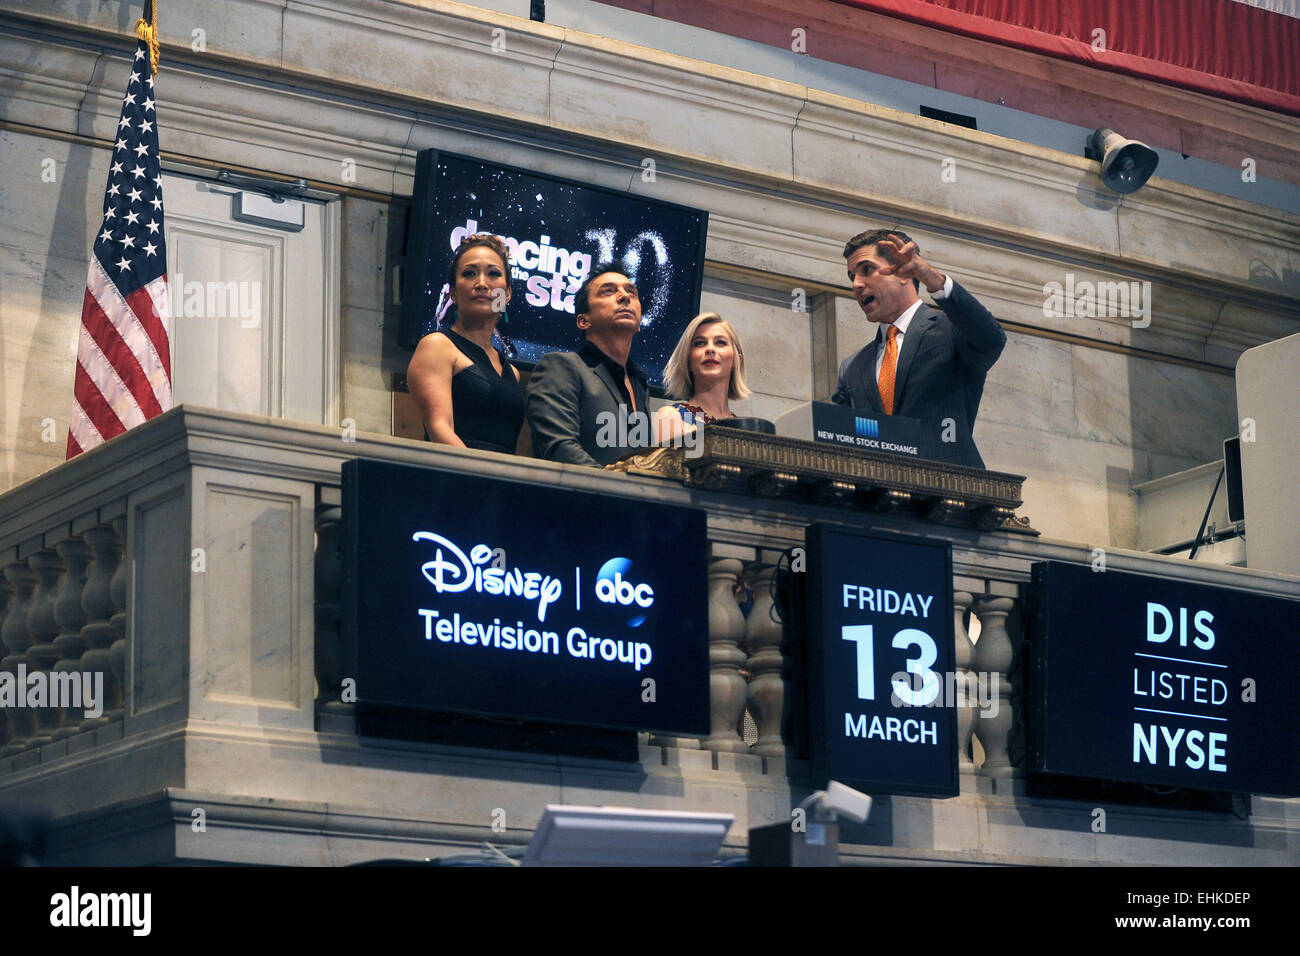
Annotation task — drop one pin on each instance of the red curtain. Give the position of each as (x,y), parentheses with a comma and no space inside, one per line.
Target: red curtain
(1225,48)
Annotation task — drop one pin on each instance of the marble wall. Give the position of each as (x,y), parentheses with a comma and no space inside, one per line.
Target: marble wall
(42,281)
(1084,424)
(1085,407)
(372,238)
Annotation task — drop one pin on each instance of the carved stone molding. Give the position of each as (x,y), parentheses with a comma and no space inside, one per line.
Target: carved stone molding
(774,466)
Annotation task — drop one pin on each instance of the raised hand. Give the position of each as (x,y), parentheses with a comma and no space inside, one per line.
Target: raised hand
(908,263)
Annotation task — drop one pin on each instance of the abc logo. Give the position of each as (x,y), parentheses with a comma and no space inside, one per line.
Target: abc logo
(613,587)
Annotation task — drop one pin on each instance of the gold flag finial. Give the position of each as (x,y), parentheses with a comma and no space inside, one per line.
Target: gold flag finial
(148,32)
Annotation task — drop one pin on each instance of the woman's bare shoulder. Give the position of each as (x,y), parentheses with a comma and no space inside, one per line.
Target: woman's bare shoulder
(434,347)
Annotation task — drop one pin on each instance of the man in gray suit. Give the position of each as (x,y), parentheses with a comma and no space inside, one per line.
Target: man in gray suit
(591,407)
(923,363)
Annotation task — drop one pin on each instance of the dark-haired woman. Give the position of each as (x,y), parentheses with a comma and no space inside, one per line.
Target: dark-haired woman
(467,393)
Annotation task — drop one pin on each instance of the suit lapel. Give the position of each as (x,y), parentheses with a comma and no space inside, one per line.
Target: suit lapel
(921,323)
(870,388)
(605,375)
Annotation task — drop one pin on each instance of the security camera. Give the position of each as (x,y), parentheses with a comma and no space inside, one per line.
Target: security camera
(839,800)
(847,802)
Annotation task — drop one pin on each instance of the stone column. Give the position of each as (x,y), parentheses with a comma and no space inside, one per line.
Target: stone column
(964,661)
(22,722)
(43,628)
(330,656)
(98,633)
(767,684)
(727,687)
(117,587)
(995,654)
(71,646)
(6,594)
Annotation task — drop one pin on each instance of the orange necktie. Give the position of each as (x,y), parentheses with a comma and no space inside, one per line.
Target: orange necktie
(887,369)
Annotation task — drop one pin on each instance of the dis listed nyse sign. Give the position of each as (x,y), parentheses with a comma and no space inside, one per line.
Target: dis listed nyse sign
(1150,680)
(474,595)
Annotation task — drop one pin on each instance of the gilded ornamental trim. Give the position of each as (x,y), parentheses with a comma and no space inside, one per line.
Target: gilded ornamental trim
(775,466)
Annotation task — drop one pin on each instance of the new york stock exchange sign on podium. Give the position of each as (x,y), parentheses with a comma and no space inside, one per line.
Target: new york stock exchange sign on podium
(482,596)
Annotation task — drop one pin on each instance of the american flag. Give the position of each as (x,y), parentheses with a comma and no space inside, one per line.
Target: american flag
(123,350)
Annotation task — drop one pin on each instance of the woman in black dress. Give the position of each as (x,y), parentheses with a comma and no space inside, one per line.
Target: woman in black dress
(467,393)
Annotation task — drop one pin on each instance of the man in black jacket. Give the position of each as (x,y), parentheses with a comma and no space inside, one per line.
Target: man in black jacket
(923,363)
(591,407)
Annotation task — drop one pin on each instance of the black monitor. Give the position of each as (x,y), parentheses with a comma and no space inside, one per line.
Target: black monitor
(1232,473)
(557,230)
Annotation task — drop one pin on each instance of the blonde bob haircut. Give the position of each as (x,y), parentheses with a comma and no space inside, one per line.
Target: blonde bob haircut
(678,380)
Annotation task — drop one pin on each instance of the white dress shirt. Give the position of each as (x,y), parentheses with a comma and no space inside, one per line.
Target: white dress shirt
(902,323)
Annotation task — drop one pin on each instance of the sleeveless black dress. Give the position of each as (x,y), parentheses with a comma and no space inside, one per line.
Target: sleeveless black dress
(488,408)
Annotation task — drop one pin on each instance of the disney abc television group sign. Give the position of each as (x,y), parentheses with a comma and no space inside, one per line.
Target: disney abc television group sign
(484,596)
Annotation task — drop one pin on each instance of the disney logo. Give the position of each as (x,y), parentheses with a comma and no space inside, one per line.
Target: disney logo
(452,570)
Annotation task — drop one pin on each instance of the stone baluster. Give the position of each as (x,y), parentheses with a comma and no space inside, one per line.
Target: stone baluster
(727,687)
(964,660)
(117,587)
(767,683)
(329,639)
(70,644)
(6,604)
(1017,743)
(16,638)
(43,628)
(995,656)
(98,633)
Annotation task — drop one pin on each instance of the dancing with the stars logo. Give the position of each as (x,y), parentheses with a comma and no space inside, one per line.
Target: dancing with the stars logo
(552,274)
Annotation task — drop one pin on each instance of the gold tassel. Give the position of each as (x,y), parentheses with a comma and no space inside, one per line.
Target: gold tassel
(148,32)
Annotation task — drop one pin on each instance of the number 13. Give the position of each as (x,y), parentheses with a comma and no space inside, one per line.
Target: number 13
(863,636)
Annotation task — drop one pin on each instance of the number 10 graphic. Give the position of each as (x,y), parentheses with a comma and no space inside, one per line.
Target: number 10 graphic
(863,636)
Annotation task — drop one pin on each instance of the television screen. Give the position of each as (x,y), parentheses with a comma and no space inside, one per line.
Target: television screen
(556,230)
(1146,679)
(883,691)
(532,603)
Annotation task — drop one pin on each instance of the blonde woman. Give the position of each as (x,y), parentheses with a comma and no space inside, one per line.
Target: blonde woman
(706,372)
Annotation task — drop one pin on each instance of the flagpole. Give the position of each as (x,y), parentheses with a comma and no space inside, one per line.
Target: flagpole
(146,28)
(122,375)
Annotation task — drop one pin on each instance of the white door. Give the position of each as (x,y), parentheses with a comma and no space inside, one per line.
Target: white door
(255,324)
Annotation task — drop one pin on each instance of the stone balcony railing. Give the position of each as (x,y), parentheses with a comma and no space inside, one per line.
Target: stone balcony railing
(192,567)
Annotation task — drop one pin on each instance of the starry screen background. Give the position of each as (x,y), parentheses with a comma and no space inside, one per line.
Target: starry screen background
(662,242)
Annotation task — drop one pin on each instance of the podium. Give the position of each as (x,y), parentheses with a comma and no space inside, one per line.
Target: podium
(900,480)
(857,428)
